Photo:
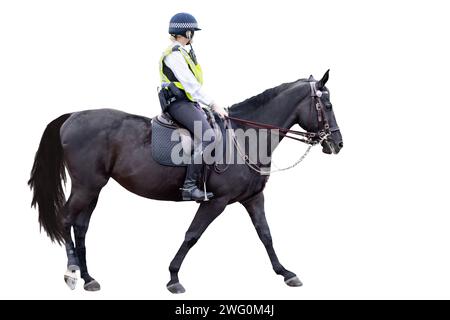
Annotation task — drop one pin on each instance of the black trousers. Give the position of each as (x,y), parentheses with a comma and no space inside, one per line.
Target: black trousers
(187,113)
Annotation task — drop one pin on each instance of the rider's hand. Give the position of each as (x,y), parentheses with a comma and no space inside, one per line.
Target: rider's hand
(219,110)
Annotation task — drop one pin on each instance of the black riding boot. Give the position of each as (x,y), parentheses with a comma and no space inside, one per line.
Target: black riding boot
(190,190)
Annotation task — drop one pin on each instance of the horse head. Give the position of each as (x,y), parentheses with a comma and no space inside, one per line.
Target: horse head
(319,116)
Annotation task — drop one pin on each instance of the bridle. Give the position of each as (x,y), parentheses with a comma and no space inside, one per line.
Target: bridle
(324,126)
(311,138)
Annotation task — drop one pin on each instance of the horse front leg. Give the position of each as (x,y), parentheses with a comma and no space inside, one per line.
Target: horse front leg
(255,208)
(206,213)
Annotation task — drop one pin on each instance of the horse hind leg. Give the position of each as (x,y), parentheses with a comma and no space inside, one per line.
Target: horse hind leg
(78,211)
(80,230)
(70,277)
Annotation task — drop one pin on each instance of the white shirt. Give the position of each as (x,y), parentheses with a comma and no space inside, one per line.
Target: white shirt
(176,62)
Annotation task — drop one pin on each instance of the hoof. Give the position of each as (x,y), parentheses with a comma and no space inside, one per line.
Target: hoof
(293,282)
(70,277)
(176,288)
(92,286)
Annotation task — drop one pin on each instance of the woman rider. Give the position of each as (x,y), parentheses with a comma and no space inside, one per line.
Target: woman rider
(180,67)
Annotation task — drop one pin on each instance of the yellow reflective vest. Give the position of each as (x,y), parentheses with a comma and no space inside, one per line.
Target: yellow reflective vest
(167,75)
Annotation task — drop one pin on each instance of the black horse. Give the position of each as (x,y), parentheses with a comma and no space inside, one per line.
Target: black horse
(96,145)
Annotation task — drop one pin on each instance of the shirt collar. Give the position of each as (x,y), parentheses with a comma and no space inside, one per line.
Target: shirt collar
(186,48)
(175,42)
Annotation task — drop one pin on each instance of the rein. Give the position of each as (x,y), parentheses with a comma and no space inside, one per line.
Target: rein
(283,131)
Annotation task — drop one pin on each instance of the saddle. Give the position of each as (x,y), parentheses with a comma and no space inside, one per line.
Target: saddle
(171,142)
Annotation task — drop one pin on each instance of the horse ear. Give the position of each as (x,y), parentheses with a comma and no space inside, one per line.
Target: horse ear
(311,78)
(324,80)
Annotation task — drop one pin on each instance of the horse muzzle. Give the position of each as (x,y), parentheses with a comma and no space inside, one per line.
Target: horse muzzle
(331,147)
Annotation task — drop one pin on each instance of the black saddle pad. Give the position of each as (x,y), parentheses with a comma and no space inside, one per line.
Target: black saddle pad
(163,144)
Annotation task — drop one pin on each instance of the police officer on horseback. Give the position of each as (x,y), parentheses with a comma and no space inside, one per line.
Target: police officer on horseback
(181,93)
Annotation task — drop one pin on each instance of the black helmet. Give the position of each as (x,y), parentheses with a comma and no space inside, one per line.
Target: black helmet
(181,23)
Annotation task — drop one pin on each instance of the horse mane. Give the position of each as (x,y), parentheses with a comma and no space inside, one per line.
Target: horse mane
(261,99)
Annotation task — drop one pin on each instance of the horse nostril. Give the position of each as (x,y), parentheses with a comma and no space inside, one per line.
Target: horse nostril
(341,144)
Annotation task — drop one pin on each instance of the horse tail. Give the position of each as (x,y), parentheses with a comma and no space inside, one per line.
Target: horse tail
(46,178)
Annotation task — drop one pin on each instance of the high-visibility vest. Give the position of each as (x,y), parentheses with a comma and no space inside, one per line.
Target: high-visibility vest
(167,75)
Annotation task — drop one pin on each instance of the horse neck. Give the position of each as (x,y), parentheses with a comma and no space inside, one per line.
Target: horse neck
(271,115)
(279,112)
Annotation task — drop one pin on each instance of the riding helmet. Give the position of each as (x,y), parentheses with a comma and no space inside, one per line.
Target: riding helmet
(181,23)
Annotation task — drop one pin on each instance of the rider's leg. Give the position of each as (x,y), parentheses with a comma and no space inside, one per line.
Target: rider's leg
(191,116)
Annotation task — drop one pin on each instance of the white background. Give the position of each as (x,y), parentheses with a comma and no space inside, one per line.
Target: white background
(371,222)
